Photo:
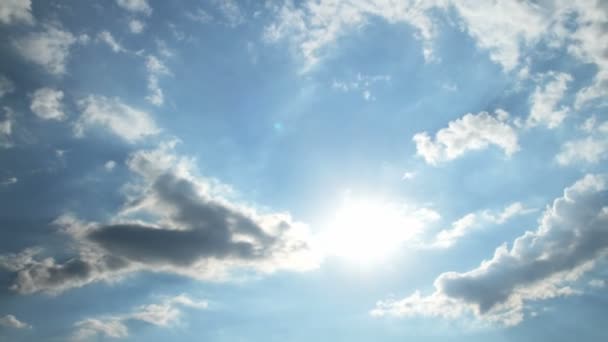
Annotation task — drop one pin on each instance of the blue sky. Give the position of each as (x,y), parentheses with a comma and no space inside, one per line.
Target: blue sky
(325,170)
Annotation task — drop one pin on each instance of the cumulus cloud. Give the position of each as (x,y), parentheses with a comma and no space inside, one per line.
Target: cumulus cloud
(591,149)
(471,132)
(473,221)
(49,49)
(135,6)
(120,119)
(10,321)
(545,99)
(46,104)
(136,26)
(163,314)
(16,11)
(6,86)
(540,265)
(192,230)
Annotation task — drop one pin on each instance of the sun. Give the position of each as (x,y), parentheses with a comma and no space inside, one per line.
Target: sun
(366,230)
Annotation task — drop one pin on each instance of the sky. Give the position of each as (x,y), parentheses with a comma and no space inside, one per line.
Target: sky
(314,170)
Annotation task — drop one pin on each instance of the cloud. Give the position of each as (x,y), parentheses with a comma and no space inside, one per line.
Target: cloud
(122,120)
(136,6)
(9,181)
(591,149)
(6,129)
(473,221)
(155,68)
(136,26)
(89,328)
(231,12)
(49,49)
(6,86)
(163,314)
(16,11)
(503,36)
(107,38)
(540,265)
(361,83)
(471,132)
(313,25)
(192,229)
(46,104)
(109,165)
(10,321)
(545,100)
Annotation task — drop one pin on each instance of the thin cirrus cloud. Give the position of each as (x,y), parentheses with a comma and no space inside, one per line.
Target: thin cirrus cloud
(469,133)
(197,233)
(540,265)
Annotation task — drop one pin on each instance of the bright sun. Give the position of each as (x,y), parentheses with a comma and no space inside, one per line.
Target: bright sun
(366,230)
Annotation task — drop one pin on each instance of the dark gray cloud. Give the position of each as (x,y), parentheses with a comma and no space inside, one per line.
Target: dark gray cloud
(173,222)
(571,237)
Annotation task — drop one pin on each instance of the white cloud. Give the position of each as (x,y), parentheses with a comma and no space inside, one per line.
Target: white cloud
(122,120)
(541,264)
(89,328)
(155,68)
(6,129)
(597,283)
(49,49)
(200,15)
(478,220)
(6,86)
(16,11)
(136,26)
(107,38)
(163,314)
(10,321)
(501,35)
(109,165)
(136,6)
(313,25)
(46,104)
(231,12)
(361,83)
(591,149)
(9,181)
(471,132)
(545,99)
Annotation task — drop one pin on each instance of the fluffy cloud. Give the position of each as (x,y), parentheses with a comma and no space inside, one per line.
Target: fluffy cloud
(15,11)
(571,237)
(590,149)
(136,26)
(49,49)
(124,121)
(46,104)
(10,321)
(6,86)
(136,6)
(6,129)
(192,230)
(115,326)
(545,100)
(473,221)
(471,132)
